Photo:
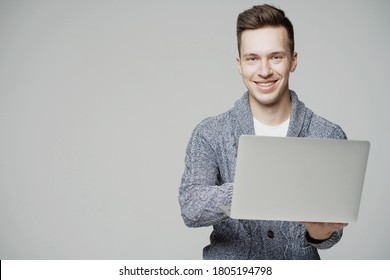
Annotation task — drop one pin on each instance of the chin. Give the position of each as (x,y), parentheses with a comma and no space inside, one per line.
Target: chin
(265,98)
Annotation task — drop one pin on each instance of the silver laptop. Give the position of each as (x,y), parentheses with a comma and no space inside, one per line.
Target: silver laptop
(298,179)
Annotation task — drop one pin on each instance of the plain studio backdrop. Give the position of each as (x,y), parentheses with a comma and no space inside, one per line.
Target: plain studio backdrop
(98,100)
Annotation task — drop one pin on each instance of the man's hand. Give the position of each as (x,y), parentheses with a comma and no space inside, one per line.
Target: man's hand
(322,231)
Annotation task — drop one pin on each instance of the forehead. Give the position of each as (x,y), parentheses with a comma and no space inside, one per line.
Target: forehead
(264,40)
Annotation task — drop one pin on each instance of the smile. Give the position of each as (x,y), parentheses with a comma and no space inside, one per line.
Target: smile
(265,84)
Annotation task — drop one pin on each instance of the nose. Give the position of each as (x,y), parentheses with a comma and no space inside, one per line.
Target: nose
(265,69)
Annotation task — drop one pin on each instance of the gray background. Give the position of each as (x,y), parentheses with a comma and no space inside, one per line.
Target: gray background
(98,100)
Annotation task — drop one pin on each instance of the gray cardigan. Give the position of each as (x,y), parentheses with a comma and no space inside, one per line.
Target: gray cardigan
(208,182)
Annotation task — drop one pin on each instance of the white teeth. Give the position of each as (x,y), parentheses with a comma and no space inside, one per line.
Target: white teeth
(265,84)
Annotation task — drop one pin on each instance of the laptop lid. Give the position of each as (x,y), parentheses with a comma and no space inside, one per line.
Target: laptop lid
(298,179)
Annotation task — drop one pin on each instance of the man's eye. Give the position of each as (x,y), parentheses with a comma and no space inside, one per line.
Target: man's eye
(251,60)
(277,58)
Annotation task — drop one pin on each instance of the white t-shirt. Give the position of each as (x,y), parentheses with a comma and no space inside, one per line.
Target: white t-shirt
(266,130)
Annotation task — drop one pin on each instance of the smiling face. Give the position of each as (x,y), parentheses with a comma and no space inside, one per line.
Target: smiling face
(265,64)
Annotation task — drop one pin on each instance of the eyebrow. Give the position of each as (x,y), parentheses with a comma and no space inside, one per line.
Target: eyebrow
(271,54)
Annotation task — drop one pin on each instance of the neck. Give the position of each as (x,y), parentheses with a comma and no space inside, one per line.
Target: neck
(271,114)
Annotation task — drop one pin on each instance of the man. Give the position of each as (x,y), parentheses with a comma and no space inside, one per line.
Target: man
(266,58)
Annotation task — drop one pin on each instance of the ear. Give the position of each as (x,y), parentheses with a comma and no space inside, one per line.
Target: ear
(294,62)
(239,65)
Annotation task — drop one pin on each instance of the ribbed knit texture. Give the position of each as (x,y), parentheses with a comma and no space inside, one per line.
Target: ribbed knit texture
(208,178)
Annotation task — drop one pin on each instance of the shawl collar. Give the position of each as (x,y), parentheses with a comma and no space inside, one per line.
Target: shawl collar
(243,115)
(299,113)
(299,118)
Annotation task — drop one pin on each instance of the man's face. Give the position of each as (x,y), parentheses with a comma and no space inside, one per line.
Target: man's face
(265,64)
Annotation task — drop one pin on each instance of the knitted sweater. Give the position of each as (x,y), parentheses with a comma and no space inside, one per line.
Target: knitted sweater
(208,179)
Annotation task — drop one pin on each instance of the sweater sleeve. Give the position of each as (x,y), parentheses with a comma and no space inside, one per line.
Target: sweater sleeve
(338,133)
(325,244)
(332,131)
(200,193)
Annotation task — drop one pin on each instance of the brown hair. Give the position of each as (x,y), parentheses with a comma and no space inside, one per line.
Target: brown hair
(263,16)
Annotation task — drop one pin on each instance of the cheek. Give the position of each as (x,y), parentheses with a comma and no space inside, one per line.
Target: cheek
(281,70)
(247,72)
